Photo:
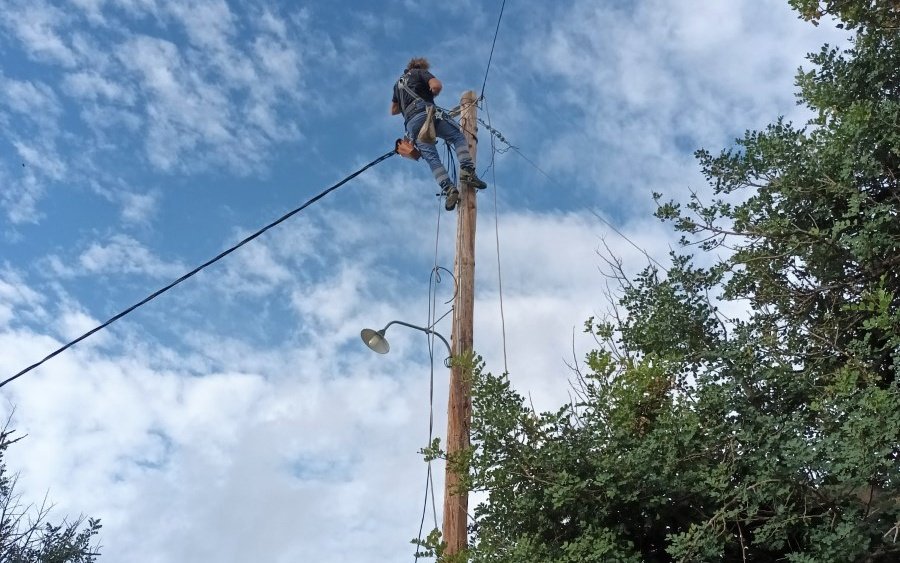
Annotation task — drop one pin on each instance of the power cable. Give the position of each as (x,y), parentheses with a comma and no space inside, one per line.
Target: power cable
(497,240)
(218,257)
(434,279)
(491,56)
(498,135)
(495,133)
(597,215)
(509,146)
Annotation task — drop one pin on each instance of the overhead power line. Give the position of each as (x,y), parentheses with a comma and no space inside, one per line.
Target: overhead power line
(209,262)
(493,44)
(499,136)
(597,215)
(497,235)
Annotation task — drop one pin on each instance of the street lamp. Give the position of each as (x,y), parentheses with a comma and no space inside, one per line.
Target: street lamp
(375,339)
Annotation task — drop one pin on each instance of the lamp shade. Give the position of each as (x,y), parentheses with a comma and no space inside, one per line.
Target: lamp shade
(375,340)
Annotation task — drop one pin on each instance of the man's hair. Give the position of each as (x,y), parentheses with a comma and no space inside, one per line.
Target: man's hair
(420,62)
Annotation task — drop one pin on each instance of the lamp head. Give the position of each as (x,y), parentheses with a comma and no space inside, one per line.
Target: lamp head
(375,340)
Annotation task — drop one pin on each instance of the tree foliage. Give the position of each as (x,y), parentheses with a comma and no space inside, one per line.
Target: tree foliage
(25,534)
(771,436)
(866,14)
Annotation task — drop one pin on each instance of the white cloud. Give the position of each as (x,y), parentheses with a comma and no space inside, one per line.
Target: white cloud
(15,294)
(552,282)
(222,101)
(660,80)
(90,85)
(209,23)
(29,117)
(125,255)
(119,255)
(37,25)
(139,208)
(41,157)
(210,453)
(107,122)
(20,198)
(334,302)
(191,114)
(35,100)
(254,269)
(93,9)
(73,323)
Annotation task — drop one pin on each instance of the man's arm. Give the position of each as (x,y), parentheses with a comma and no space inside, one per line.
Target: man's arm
(395,101)
(435,85)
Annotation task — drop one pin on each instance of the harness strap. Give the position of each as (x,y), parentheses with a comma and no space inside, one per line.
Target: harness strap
(416,98)
(439,112)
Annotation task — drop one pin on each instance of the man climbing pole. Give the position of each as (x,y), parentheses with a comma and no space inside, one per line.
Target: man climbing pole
(413,96)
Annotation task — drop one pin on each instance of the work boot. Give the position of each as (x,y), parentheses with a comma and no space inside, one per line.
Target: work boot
(449,191)
(469,178)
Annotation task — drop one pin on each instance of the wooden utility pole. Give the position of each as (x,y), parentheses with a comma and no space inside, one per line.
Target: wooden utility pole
(459,408)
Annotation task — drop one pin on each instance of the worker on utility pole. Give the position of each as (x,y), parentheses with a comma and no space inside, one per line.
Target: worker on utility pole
(414,97)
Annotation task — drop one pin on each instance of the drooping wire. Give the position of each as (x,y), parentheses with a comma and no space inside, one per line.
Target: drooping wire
(493,44)
(509,146)
(452,170)
(597,215)
(433,279)
(497,237)
(209,262)
(498,135)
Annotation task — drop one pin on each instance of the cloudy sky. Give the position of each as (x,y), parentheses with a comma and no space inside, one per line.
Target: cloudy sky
(239,417)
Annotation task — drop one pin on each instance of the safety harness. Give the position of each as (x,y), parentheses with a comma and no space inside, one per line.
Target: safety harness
(402,83)
(406,147)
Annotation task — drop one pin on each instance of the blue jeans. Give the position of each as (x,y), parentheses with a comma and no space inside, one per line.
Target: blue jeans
(447,129)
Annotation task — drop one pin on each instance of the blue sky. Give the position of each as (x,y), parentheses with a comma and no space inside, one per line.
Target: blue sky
(238,417)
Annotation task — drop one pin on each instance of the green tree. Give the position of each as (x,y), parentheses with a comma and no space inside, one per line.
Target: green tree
(867,14)
(770,437)
(25,534)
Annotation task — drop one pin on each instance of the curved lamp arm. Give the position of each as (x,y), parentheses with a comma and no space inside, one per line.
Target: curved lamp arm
(423,329)
(378,343)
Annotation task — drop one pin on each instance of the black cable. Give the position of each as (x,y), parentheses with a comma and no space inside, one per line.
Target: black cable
(221,255)
(491,56)
(434,279)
